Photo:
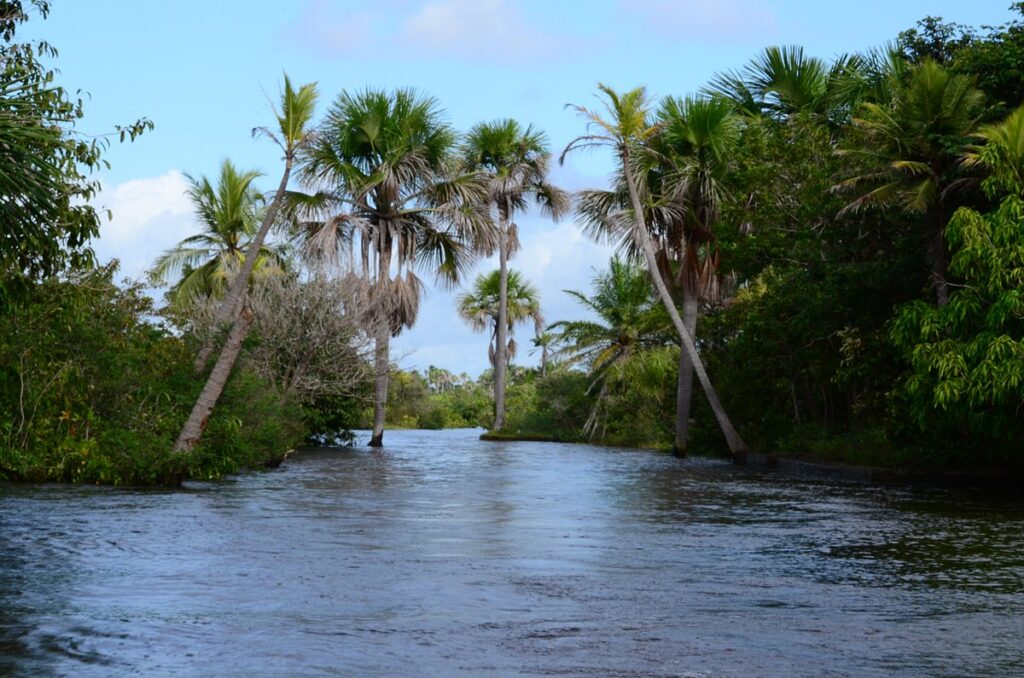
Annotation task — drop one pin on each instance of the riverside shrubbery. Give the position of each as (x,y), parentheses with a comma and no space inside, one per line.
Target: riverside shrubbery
(94,387)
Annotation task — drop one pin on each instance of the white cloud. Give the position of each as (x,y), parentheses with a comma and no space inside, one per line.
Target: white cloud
(329,31)
(482,29)
(149,216)
(479,30)
(705,20)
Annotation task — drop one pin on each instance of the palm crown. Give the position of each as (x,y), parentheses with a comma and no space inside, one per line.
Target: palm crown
(229,213)
(479,307)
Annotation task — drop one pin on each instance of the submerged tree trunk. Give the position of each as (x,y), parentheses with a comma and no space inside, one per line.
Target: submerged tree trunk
(501,348)
(736,444)
(380,400)
(193,429)
(229,308)
(684,382)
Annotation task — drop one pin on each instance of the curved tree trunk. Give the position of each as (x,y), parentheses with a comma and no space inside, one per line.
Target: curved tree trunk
(684,381)
(380,400)
(736,444)
(501,348)
(193,429)
(229,308)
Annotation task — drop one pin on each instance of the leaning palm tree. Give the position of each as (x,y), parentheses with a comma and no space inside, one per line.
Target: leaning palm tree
(697,141)
(906,152)
(481,308)
(388,200)
(628,132)
(201,265)
(681,191)
(515,162)
(292,134)
(628,322)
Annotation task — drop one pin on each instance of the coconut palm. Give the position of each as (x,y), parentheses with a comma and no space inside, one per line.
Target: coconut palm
(201,265)
(1001,153)
(628,321)
(628,131)
(906,152)
(292,134)
(387,199)
(481,308)
(515,162)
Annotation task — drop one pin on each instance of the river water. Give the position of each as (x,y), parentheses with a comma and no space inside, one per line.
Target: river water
(444,555)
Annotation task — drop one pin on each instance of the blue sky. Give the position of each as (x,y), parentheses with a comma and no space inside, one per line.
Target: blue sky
(205,72)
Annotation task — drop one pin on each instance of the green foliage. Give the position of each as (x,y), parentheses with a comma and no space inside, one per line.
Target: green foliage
(967,358)
(96,393)
(45,219)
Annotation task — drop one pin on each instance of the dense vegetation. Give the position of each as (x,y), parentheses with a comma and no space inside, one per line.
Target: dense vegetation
(833,251)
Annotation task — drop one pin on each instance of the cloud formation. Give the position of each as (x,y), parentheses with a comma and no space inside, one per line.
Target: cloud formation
(706,21)
(149,216)
(496,31)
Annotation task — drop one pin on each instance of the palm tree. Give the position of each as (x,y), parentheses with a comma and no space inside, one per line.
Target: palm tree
(515,162)
(784,81)
(1002,154)
(628,132)
(544,342)
(907,151)
(481,308)
(229,214)
(628,322)
(292,134)
(697,140)
(682,194)
(383,171)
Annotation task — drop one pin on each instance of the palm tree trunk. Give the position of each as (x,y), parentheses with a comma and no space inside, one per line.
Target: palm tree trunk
(501,352)
(544,361)
(380,400)
(193,429)
(736,444)
(229,308)
(684,382)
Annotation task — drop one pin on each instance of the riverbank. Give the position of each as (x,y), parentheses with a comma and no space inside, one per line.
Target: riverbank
(838,468)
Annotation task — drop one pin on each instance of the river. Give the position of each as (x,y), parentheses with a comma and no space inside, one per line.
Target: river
(443,555)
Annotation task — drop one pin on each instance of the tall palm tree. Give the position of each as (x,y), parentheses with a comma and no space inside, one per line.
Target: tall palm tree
(481,307)
(681,192)
(628,131)
(291,135)
(389,200)
(515,162)
(907,152)
(229,213)
(628,321)
(697,140)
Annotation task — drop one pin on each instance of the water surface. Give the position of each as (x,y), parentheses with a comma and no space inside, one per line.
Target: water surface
(444,555)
